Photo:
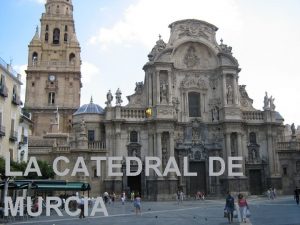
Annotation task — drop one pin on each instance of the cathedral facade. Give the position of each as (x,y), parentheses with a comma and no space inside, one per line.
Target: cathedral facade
(190,104)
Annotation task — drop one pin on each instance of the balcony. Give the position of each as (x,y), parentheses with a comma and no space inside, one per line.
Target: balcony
(2,131)
(24,140)
(3,91)
(16,100)
(13,136)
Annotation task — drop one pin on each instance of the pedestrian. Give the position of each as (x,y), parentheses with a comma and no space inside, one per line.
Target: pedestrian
(137,204)
(243,206)
(178,196)
(229,207)
(269,194)
(81,207)
(132,196)
(181,196)
(113,197)
(123,196)
(274,192)
(296,195)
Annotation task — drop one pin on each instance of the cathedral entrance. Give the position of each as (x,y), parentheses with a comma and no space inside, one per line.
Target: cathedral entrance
(197,183)
(255,182)
(134,183)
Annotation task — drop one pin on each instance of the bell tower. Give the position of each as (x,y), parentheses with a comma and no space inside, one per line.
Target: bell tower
(53,81)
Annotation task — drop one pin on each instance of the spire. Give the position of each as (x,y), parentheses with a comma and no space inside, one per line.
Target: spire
(91,99)
(36,36)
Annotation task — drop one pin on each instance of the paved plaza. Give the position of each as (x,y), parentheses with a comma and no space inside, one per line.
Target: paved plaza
(281,211)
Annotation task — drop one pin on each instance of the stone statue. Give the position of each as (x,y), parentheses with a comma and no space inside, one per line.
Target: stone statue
(163,92)
(229,94)
(119,97)
(215,114)
(293,129)
(266,101)
(190,58)
(83,127)
(109,98)
(272,105)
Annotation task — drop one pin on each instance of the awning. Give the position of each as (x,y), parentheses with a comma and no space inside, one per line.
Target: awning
(47,185)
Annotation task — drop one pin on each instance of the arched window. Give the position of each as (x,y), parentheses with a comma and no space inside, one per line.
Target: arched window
(65,37)
(56,35)
(34,57)
(133,137)
(252,138)
(194,104)
(72,58)
(46,37)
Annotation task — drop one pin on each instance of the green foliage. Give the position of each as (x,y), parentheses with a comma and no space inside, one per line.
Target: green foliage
(46,169)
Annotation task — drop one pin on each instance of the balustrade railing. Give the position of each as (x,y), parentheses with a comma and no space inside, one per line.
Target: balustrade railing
(96,145)
(253,115)
(128,113)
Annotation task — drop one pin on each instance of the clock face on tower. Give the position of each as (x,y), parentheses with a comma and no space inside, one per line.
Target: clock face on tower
(52,77)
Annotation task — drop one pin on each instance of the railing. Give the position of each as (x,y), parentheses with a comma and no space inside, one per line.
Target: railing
(253,115)
(59,64)
(133,113)
(291,145)
(8,67)
(96,145)
(63,149)
(2,131)
(13,136)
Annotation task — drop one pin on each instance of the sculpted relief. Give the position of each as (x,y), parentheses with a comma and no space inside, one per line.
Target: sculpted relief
(194,56)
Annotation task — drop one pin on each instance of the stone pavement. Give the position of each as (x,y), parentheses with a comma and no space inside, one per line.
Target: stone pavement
(281,211)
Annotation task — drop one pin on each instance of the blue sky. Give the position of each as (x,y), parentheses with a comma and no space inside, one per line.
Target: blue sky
(117,35)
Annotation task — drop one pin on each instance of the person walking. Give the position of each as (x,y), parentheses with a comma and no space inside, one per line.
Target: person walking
(229,207)
(243,206)
(123,196)
(137,204)
(181,196)
(296,195)
(81,207)
(132,196)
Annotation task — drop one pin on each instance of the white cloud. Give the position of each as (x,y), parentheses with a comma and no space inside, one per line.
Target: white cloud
(90,75)
(144,20)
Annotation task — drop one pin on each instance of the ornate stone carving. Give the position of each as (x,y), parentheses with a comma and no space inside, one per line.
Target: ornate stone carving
(213,81)
(139,87)
(190,58)
(193,81)
(269,102)
(229,95)
(225,49)
(245,100)
(160,45)
(191,30)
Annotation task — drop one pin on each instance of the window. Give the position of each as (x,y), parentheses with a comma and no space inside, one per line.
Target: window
(51,98)
(65,37)
(11,154)
(194,104)
(252,138)
(72,58)
(46,37)
(66,28)
(91,135)
(56,36)
(284,169)
(34,58)
(47,27)
(32,84)
(14,96)
(133,137)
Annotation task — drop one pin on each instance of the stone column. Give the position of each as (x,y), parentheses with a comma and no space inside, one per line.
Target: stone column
(270,153)
(150,89)
(235,91)
(170,87)
(240,151)
(157,88)
(171,135)
(158,148)
(228,150)
(224,89)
